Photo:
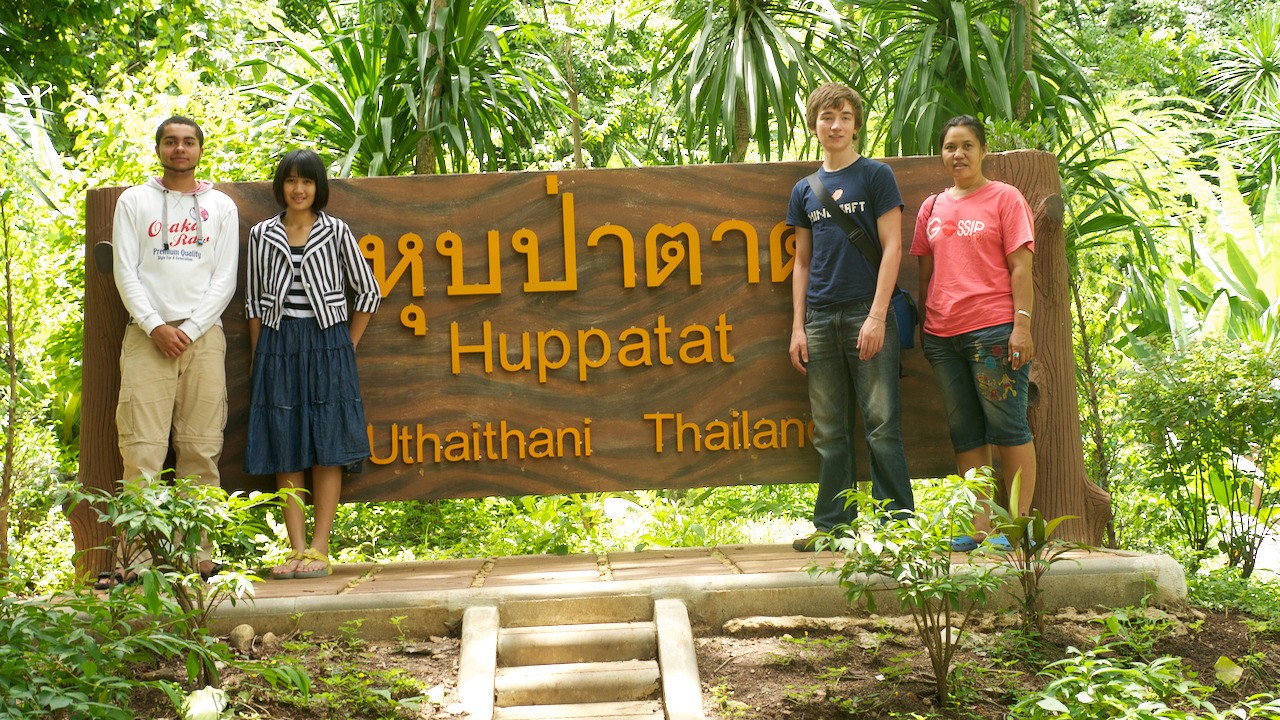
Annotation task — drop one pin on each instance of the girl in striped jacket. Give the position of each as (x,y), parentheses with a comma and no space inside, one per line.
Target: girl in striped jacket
(305,409)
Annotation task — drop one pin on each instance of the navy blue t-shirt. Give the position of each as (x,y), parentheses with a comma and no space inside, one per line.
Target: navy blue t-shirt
(838,272)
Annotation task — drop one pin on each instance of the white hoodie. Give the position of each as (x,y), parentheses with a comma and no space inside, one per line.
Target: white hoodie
(175,255)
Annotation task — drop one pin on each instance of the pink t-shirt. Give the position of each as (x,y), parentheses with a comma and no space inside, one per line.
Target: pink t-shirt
(969,240)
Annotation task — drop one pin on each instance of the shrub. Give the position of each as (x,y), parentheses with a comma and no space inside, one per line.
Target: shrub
(1207,420)
(1084,686)
(913,556)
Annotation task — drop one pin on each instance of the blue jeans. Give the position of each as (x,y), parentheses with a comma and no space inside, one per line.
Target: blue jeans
(985,398)
(839,383)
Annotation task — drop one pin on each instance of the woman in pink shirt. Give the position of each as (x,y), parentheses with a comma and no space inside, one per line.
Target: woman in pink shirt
(974,242)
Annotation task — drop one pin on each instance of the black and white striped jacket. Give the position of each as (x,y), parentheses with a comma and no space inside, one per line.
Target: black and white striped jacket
(331,262)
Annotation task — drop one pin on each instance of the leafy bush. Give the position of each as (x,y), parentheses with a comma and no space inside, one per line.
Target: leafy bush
(1223,591)
(168,523)
(913,554)
(76,655)
(1207,420)
(1085,686)
(582,522)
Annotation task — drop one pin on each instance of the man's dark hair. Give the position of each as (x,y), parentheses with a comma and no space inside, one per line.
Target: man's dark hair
(968,121)
(179,120)
(304,164)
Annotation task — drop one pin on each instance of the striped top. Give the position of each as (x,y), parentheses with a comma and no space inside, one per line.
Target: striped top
(331,265)
(295,301)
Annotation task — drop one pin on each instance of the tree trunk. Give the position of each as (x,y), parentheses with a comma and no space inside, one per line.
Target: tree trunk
(571,79)
(425,160)
(741,130)
(1030,10)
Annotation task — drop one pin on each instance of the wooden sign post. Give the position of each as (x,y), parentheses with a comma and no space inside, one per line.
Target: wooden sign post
(594,330)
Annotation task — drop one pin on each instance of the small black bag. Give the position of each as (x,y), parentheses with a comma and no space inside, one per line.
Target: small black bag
(904,306)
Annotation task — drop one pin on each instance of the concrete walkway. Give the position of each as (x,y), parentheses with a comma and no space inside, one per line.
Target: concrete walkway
(717,584)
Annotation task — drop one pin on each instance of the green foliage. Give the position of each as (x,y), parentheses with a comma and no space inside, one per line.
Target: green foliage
(610,47)
(912,557)
(115,128)
(1086,686)
(393,89)
(1247,75)
(167,523)
(88,43)
(739,70)
(483,86)
(1228,591)
(1134,632)
(938,59)
(1232,284)
(345,688)
(1245,81)
(1035,550)
(340,91)
(76,652)
(722,696)
(584,522)
(1163,60)
(1207,420)
(75,655)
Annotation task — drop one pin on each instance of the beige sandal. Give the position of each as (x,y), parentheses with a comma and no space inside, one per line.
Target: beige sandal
(312,554)
(295,555)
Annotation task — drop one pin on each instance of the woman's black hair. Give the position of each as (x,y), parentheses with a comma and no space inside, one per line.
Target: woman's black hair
(968,121)
(305,164)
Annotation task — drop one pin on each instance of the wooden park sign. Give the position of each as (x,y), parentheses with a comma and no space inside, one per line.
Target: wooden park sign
(594,330)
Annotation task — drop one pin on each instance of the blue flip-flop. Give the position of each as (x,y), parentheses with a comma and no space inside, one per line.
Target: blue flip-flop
(999,543)
(961,543)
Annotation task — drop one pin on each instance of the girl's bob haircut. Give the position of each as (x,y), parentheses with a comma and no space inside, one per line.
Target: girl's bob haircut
(304,164)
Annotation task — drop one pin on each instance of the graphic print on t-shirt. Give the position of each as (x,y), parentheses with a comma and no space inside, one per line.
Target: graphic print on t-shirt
(971,229)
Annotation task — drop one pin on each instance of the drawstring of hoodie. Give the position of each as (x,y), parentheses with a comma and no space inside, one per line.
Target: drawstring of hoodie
(164,218)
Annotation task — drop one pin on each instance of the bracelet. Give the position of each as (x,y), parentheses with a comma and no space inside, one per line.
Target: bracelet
(1025,313)
(873,317)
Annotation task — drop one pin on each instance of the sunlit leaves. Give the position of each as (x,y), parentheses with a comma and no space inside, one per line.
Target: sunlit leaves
(739,70)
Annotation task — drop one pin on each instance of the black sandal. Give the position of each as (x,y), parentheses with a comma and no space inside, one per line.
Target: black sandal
(108,580)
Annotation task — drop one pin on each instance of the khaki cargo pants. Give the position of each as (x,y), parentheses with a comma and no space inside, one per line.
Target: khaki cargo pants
(183,399)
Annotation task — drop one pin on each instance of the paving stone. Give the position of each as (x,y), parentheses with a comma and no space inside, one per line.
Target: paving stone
(681,690)
(592,642)
(523,570)
(419,576)
(626,680)
(478,660)
(771,558)
(665,563)
(344,574)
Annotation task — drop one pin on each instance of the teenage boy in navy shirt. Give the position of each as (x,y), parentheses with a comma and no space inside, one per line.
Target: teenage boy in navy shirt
(844,335)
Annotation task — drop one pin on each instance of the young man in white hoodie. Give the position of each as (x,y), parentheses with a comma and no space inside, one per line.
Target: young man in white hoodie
(175,245)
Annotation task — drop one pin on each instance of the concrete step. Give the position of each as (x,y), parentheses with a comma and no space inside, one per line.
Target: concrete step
(642,710)
(587,685)
(681,688)
(595,642)
(571,683)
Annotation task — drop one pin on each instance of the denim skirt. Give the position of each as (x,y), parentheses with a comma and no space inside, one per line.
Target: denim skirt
(304,404)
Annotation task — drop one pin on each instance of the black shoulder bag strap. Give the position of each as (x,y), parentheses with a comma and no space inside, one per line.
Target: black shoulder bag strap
(857,236)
